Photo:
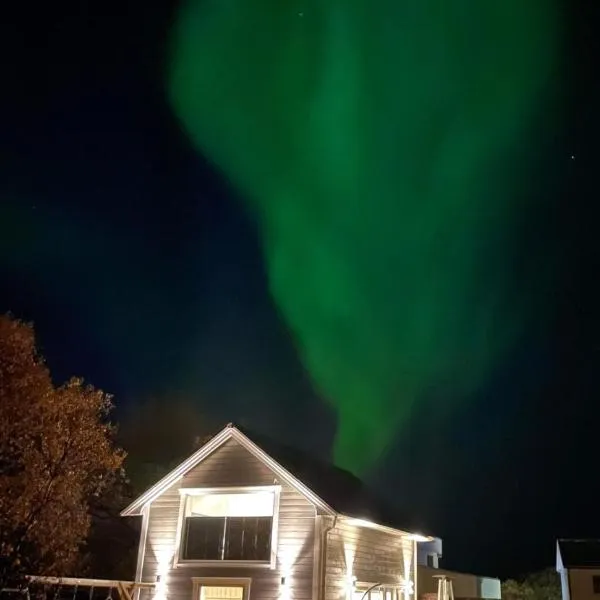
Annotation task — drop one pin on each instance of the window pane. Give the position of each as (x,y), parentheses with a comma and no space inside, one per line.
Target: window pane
(209,592)
(261,547)
(234,541)
(248,538)
(235,538)
(251,504)
(203,538)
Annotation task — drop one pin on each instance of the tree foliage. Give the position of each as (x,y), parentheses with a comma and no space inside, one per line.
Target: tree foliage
(160,432)
(542,585)
(56,456)
(112,542)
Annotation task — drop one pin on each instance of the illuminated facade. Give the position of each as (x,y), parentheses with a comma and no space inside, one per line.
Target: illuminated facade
(240,521)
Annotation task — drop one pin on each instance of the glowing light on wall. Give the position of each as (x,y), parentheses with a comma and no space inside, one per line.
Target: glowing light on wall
(164,558)
(350,579)
(407,586)
(160,590)
(285,589)
(287,557)
(351,587)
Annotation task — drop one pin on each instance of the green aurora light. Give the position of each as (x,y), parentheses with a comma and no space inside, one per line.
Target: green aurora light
(381,145)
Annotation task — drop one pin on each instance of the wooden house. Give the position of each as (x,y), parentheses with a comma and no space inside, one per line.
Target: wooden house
(244,518)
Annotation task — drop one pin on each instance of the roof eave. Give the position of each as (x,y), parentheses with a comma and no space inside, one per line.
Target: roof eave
(136,507)
(229,432)
(417,537)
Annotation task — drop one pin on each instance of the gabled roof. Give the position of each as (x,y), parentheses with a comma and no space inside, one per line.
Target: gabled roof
(578,554)
(339,488)
(333,490)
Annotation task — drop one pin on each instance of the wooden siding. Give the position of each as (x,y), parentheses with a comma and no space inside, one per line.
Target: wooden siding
(581,583)
(232,465)
(370,555)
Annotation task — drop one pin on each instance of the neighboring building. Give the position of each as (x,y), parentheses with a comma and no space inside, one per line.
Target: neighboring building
(578,564)
(429,553)
(464,585)
(249,519)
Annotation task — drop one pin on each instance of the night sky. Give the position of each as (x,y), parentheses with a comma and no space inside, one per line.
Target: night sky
(142,270)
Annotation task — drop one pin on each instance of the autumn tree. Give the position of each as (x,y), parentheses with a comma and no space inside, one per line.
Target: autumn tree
(56,455)
(158,432)
(112,543)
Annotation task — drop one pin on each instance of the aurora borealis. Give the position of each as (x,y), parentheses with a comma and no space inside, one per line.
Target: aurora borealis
(144,272)
(383,148)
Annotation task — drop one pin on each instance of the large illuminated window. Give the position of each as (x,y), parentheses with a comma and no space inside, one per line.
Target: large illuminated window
(228,526)
(222,592)
(216,588)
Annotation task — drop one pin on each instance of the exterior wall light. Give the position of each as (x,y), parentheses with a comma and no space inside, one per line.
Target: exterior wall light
(407,587)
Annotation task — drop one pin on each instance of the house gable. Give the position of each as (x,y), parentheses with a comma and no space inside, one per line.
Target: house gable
(229,465)
(247,465)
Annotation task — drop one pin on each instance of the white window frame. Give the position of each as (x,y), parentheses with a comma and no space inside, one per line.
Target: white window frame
(185,492)
(243,582)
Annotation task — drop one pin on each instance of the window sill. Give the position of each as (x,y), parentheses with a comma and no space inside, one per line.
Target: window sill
(258,564)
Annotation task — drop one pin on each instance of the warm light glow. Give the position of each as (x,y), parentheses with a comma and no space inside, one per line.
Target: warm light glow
(163,564)
(350,579)
(350,585)
(160,590)
(415,537)
(285,592)
(407,587)
(221,592)
(362,522)
(287,557)
(250,504)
